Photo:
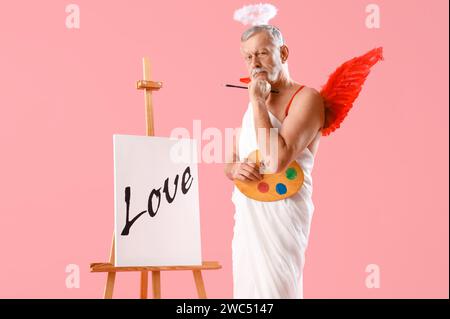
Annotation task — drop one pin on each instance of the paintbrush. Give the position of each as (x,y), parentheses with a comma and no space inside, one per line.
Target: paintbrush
(244,87)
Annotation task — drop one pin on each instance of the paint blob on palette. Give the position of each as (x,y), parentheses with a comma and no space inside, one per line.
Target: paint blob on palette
(272,187)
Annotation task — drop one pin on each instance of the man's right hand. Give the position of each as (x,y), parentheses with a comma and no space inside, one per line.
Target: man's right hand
(246,171)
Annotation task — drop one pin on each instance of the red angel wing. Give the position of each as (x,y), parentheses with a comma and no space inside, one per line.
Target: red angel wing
(343,88)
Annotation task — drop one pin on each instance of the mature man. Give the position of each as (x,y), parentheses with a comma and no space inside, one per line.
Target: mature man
(270,238)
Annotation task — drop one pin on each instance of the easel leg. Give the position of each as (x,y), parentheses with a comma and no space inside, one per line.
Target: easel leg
(199,284)
(109,288)
(156,283)
(144,284)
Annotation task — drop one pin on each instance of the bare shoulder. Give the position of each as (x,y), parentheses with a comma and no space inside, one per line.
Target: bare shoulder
(309,98)
(311,95)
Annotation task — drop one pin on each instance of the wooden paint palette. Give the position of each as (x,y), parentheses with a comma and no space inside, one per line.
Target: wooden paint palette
(272,187)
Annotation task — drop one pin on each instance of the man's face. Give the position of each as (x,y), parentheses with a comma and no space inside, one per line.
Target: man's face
(262,57)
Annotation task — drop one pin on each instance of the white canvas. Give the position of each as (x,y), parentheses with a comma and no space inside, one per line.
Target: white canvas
(172,236)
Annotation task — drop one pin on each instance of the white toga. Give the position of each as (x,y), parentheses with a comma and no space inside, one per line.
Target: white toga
(270,238)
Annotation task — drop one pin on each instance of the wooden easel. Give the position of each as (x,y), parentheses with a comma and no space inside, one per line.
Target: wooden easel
(148,86)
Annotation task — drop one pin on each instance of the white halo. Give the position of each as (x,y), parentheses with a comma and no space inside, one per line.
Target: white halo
(255,14)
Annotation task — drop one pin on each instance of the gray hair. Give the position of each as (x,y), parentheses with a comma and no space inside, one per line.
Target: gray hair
(272,31)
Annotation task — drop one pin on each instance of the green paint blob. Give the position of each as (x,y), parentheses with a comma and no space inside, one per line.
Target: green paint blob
(291,173)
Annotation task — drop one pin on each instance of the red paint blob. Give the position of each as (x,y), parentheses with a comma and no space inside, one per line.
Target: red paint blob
(263,187)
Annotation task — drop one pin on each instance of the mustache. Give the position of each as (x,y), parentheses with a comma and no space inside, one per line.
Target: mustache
(257,70)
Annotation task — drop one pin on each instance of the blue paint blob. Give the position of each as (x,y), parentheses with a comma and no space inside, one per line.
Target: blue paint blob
(281,188)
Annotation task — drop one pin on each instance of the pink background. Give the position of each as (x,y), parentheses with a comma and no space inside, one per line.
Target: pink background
(381,181)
